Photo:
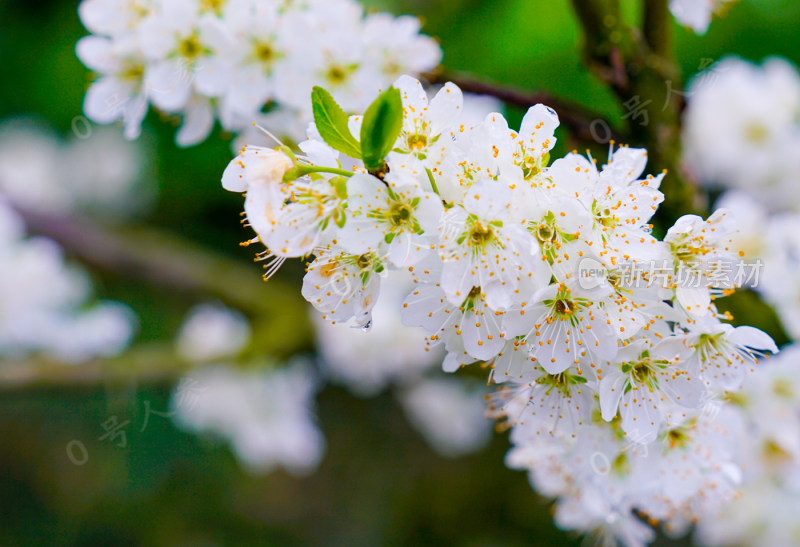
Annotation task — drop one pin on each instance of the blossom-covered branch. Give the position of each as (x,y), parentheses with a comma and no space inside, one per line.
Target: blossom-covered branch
(607,342)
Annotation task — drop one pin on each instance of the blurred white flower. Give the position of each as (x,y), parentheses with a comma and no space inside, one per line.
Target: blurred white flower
(696,14)
(768,246)
(108,175)
(765,512)
(45,303)
(450,413)
(266,416)
(30,167)
(742,129)
(97,171)
(750,241)
(212,332)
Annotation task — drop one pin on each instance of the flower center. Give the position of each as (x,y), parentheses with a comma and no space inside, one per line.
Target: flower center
(399,214)
(469,301)
(545,233)
(642,372)
(336,74)
(756,133)
(212,5)
(264,52)
(564,307)
(190,47)
(677,438)
(133,72)
(364,261)
(417,142)
(480,236)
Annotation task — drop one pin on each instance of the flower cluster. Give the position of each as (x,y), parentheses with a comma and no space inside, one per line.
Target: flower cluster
(45,304)
(742,129)
(545,272)
(768,437)
(232,60)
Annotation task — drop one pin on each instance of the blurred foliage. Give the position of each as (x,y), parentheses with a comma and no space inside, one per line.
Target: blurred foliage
(379,484)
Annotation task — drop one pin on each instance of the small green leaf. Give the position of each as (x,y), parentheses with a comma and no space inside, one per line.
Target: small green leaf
(380,128)
(331,123)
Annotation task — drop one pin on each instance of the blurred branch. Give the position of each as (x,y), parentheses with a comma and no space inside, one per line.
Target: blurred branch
(639,66)
(657,27)
(277,311)
(576,118)
(149,364)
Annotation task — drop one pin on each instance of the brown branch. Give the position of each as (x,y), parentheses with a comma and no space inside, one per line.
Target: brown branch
(579,120)
(639,66)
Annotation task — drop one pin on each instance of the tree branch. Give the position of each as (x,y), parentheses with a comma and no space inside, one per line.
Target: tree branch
(276,310)
(150,364)
(657,27)
(578,119)
(641,71)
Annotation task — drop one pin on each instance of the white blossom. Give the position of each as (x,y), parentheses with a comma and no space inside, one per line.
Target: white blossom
(266,416)
(741,129)
(211,332)
(697,14)
(46,305)
(228,61)
(449,413)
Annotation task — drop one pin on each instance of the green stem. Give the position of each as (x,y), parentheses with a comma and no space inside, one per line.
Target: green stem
(303,170)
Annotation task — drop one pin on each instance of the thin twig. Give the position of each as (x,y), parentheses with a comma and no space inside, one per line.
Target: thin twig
(578,119)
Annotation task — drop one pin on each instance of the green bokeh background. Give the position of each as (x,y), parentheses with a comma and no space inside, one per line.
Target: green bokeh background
(379,484)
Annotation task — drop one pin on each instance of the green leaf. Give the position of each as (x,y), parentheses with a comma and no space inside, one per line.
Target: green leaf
(380,128)
(331,123)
